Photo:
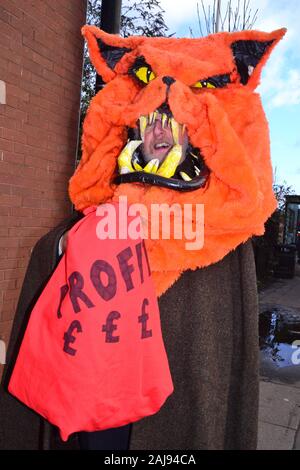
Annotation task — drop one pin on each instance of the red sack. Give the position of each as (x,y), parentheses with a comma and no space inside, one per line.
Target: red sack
(93,357)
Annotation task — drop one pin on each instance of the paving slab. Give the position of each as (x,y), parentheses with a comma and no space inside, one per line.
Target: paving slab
(273,437)
(279,404)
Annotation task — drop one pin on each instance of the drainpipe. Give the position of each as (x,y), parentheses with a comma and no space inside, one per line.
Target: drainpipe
(110,23)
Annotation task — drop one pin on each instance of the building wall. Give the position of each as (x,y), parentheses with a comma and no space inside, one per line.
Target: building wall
(40,77)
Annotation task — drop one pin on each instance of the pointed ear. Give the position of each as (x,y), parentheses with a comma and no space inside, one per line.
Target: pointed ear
(251,49)
(105,50)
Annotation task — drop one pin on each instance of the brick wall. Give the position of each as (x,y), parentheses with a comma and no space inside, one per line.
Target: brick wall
(40,75)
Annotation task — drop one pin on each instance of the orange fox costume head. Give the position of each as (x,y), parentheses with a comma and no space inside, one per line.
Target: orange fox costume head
(205,86)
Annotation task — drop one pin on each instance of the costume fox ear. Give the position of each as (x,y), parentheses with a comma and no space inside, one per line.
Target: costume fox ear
(251,49)
(106,50)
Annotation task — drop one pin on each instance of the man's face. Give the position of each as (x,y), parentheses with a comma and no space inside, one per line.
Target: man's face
(158,141)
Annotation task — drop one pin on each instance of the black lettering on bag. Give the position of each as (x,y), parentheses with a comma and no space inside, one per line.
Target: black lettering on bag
(70,338)
(63,292)
(107,292)
(126,269)
(110,327)
(143,319)
(76,285)
(146,256)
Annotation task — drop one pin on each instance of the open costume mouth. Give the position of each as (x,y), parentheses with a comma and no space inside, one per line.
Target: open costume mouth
(173,165)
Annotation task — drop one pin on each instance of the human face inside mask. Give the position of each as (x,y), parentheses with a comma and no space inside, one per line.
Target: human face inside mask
(158,140)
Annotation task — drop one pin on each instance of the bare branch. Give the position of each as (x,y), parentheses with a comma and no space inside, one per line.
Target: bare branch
(236,18)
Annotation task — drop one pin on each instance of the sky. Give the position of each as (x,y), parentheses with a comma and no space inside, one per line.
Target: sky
(280,82)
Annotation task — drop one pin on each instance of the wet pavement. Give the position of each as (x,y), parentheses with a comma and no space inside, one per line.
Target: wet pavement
(279,324)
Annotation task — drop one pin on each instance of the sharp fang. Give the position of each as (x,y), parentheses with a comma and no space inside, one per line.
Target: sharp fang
(124,159)
(197,171)
(136,166)
(124,170)
(164,119)
(195,156)
(152,166)
(184,176)
(143,125)
(151,118)
(175,130)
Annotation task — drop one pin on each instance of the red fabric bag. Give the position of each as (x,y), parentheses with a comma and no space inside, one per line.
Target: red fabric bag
(93,357)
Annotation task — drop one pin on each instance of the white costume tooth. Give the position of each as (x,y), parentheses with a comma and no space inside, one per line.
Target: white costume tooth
(152,166)
(151,116)
(195,156)
(197,171)
(175,130)
(124,159)
(164,118)
(143,125)
(184,176)
(124,170)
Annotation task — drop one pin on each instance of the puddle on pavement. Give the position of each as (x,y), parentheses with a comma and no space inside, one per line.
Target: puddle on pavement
(278,330)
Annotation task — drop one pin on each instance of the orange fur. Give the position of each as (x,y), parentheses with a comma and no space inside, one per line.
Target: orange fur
(227,124)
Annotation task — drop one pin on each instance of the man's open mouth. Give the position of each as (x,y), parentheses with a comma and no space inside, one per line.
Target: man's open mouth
(168,168)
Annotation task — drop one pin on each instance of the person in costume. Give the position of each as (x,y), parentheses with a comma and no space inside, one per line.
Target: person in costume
(178,121)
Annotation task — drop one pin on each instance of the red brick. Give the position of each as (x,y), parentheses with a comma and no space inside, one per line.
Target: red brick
(7,53)
(9,200)
(3,253)
(18,253)
(6,145)
(27,191)
(10,221)
(31,202)
(4,16)
(36,46)
(4,231)
(21,212)
(15,273)
(8,263)
(43,61)
(5,189)
(31,66)
(22,262)
(29,241)
(7,122)
(5,329)
(31,88)
(4,41)
(8,311)
(14,135)
(10,295)
(8,284)
(26,231)
(9,31)
(15,113)
(17,92)
(11,7)
(8,242)
(13,157)
(4,211)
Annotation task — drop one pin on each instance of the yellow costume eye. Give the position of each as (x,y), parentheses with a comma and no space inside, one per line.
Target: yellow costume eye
(204,84)
(145,74)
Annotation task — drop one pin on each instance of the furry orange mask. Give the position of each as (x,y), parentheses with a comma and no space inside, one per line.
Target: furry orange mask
(216,149)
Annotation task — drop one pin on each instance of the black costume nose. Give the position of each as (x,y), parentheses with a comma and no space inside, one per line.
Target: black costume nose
(168,80)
